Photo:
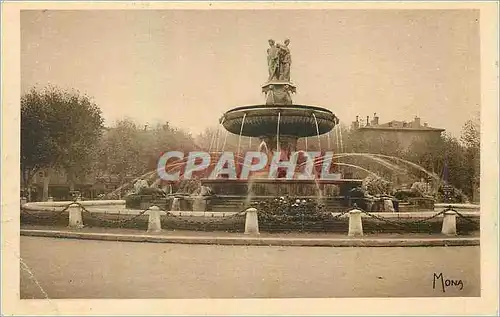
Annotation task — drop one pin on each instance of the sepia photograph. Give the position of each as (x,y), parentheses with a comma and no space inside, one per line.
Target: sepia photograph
(223,152)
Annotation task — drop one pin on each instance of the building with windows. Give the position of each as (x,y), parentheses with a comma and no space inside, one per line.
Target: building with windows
(403,133)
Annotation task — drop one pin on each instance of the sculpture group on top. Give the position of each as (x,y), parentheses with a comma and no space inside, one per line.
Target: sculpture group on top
(279,60)
(278,88)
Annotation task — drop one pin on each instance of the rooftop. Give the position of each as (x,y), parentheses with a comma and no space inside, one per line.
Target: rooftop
(373,124)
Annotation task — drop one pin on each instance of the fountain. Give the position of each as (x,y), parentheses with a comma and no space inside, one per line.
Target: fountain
(278,123)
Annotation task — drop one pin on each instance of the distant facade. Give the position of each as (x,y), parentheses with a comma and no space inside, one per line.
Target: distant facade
(88,185)
(403,132)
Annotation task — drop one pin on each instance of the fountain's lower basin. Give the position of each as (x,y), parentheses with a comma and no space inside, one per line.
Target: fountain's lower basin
(235,195)
(281,187)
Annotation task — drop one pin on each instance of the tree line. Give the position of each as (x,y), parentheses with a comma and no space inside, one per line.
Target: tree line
(65,129)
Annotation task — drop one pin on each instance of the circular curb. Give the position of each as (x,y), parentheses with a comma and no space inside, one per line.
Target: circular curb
(257,241)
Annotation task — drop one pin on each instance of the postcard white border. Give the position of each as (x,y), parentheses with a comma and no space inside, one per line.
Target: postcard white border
(486,304)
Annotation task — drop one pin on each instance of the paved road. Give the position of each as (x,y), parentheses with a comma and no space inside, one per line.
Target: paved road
(105,269)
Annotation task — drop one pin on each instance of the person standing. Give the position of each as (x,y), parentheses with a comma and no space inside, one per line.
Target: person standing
(273,61)
(285,60)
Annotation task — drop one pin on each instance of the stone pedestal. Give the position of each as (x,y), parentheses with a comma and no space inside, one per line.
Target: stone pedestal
(176,204)
(75,217)
(251,221)
(278,93)
(154,221)
(355,223)
(449,223)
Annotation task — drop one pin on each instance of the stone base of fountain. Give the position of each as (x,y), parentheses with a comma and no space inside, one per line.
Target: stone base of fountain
(235,195)
(278,93)
(279,187)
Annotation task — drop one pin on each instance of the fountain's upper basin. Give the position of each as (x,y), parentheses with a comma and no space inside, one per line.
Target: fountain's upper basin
(294,120)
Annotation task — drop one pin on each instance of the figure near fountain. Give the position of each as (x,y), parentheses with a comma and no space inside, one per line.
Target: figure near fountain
(273,60)
(279,61)
(285,61)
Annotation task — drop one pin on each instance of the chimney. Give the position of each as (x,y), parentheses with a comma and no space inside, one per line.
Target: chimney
(375,119)
(367,120)
(355,124)
(417,122)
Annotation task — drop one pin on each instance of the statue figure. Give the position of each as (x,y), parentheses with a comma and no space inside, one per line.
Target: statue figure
(273,61)
(285,60)
(287,98)
(278,89)
(270,95)
(139,185)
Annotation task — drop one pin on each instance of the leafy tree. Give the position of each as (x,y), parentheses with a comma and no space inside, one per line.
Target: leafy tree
(128,150)
(471,138)
(119,150)
(460,156)
(428,153)
(36,148)
(471,134)
(451,152)
(218,139)
(59,129)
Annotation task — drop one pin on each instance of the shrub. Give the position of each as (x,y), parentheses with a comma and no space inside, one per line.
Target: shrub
(288,209)
(133,201)
(376,186)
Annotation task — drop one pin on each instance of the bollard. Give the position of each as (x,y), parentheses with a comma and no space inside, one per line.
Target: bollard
(199,204)
(23,201)
(355,223)
(251,221)
(50,199)
(369,205)
(388,205)
(75,217)
(449,223)
(154,221)
(176,204)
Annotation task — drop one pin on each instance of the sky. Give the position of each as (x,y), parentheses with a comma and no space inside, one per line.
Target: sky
(190,66)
